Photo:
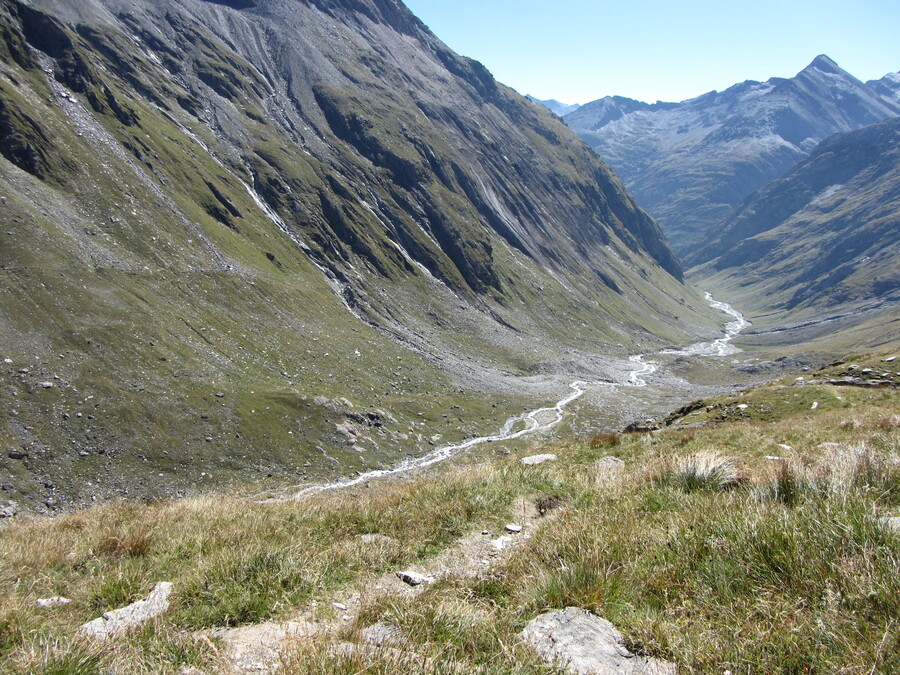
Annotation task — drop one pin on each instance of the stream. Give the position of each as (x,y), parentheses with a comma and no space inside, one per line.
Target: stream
(542,419)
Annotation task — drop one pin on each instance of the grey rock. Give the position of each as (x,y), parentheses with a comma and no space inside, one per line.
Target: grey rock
(383,634)
(513,527)
(10,510)
(892,523)
(413,578)
(534,460)
(585,644)
(135,614)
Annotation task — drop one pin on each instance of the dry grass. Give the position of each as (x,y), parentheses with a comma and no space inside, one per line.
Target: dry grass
(702,551)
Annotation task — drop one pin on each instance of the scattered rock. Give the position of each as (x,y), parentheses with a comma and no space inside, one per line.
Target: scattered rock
(133,615)
(585,644)
(641,427)
(413,578)
(347,430)
(17,454)
(10,510)
(51,602)
(46,385)
(512,527)
(537,459)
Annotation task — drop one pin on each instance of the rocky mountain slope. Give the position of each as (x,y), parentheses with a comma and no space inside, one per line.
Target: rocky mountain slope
(691,163)
(248,238)
(824,238)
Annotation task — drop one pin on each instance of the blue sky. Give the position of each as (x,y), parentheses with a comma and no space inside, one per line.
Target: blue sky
(577,50)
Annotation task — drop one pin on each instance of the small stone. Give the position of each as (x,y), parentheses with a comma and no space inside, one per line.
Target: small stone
(742,406)
(814,405)
(413,578)
(219,394)
(17,454)
(50,602)
(10,510)
(534,460)
(512,527)
(46,385)
(339,605)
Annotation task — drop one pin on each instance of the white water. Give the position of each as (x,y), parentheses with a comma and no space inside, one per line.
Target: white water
(722,346)
(551,415)
(507,433)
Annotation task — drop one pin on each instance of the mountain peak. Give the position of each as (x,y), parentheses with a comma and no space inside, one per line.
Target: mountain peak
(825,64)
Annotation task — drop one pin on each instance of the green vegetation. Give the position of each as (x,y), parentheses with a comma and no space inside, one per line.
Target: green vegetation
(751,540)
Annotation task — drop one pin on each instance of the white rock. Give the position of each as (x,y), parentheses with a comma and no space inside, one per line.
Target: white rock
(50,602)
(814,405)
(513,527)
(537,459)
(582,643)
(133,615)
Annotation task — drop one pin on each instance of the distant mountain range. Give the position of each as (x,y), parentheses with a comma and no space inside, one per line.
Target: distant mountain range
(826,236)
(691,163)
(555,106)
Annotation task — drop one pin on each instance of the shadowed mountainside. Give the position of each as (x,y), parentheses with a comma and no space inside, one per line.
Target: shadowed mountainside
(822,239)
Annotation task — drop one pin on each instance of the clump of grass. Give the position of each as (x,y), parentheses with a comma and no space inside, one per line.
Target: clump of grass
(605,440)
(709,471)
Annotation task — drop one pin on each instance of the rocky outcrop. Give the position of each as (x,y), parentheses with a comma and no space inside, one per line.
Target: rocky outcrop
(136,614)
(582,643)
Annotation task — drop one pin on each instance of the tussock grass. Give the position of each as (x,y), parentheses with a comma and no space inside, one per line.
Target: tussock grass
(702,551)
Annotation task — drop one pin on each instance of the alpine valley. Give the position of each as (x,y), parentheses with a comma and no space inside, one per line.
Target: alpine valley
(245,240)
(321,351)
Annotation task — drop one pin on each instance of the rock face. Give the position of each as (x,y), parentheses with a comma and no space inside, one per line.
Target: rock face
(274,200)
(132,616)
(584,644)
(823,236)
(690,163)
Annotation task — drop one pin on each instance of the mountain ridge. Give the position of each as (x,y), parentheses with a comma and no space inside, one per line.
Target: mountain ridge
(690,163)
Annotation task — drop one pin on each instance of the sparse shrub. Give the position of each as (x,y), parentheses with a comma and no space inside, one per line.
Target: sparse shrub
(710,471)
(606,440)
(787,485)
(132,544)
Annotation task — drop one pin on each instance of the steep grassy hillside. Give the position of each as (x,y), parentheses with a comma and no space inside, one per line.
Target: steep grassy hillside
(752,533)
(821,243)
(243,239)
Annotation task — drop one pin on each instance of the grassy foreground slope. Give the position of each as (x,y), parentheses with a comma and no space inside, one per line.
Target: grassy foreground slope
(748,535)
